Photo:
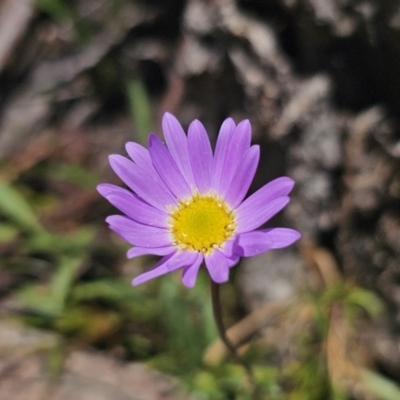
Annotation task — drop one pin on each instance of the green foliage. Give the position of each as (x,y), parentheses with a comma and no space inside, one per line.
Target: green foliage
(16,208)
(139,103)
(381,387)
(307,378)
(188,321)
(86,301)
(162,322)
(74,174)
(58,9)
(8,233)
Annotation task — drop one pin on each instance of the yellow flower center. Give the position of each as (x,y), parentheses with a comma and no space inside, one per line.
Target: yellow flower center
(202,223)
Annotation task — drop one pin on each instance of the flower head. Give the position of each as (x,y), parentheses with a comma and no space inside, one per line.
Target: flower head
(186,203)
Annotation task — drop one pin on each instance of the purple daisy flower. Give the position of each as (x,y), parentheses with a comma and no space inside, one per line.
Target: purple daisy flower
(187,205)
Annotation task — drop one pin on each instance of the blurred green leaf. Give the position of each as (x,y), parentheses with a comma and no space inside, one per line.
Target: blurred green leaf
(7,233)
(75,174)
(88,323)
(184,320)
(199,295)
(73,320)
(14,206)
(55,359)
(72,243)
(366,300)
(338,394)
(50,300)
(56,8)
(380,386)
(118,293)
(139,103)
(63,279)
(206,383)
(38,300)
(111,290)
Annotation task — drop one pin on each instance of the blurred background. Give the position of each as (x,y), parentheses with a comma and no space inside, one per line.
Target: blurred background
(319,81)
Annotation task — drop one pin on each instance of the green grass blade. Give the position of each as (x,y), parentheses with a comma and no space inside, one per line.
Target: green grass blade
(139,103)
(14,206)
(380,386)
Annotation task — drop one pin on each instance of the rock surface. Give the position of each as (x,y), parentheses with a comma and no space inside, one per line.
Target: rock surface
(24,372)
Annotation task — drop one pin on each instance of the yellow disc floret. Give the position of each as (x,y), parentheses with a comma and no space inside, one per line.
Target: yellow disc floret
(202,223)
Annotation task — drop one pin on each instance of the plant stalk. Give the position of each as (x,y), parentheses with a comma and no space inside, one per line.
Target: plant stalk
(217,311)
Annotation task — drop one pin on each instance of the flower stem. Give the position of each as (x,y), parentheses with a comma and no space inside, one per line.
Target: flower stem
(216,305)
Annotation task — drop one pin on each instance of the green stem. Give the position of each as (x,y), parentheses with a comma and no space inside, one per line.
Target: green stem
(216,305)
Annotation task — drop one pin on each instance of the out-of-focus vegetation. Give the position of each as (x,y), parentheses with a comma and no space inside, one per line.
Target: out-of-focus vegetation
(62,270)
(69,282)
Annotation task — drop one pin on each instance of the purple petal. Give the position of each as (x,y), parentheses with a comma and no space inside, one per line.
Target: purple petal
(126,224)
(176,140)
(279,187)
(189,274)
(272,190)
(233,260)
(228,248)
(157,251)
(138,234)
(217,266)
(238,145)
(142,159)
(139,154)
(251,216)
(200,154)
(167,168)
(161,268)
(106,188)
(144,186)
(282,237)
(228,251)
(167,264)
(221,152)
(253,243)
(243,176)
(136,209)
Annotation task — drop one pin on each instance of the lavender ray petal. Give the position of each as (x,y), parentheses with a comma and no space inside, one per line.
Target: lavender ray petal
(254,243)
(139,155)
(144,239)
(167,264)
(107,188)
(189,274)
(144,186)
(200,155)
(184,259)
(138,234)
(242,177)
(126,224)
(277,188)
(239,144)
(233,260)
(217,266)
(138,210)
(176,140)
(228,247)
(272,190)
(281,237)
(221,152)
(161,268)
(249,218)
(157,251)
(167,168)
